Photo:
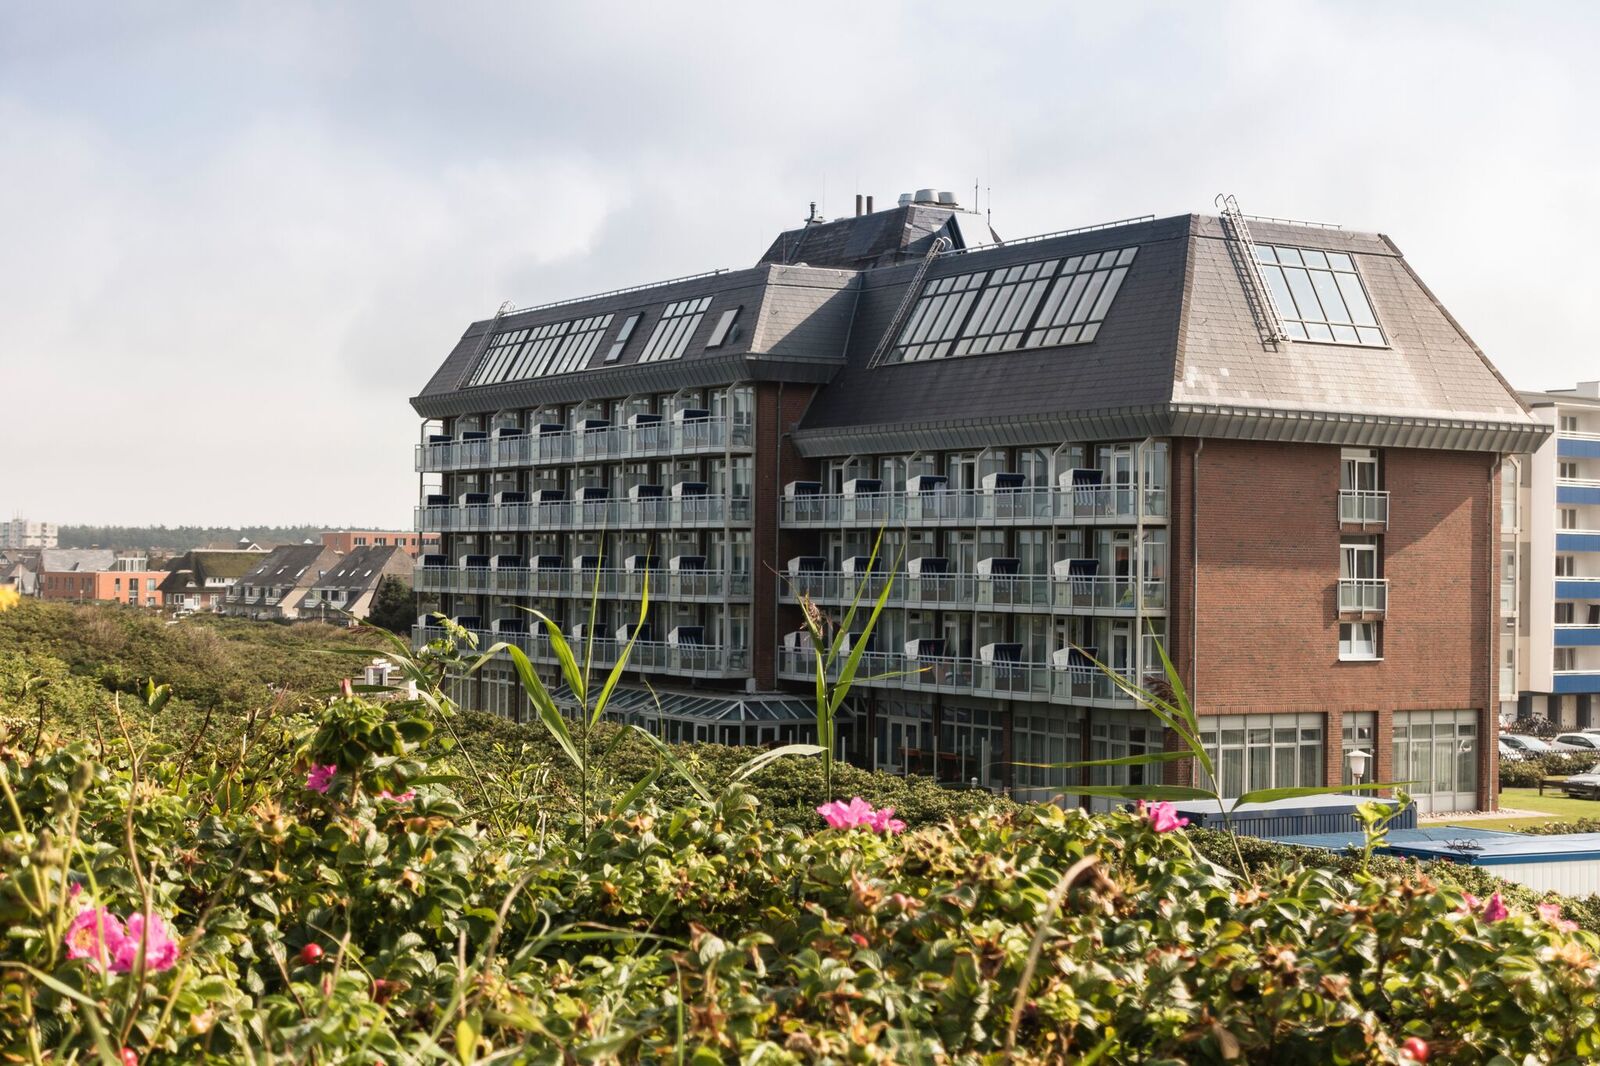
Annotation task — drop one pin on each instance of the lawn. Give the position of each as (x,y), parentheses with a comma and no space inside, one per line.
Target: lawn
(1555,807)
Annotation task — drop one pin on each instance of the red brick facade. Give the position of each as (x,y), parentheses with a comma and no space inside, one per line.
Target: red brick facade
(1265,517)
(776,463)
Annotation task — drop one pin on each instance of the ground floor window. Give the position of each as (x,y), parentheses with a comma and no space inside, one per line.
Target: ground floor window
(501,692)
(1255,751)
(1360,734)
(903,741)
(1437,753)
(1041,737)
(1117,735)
(971,746)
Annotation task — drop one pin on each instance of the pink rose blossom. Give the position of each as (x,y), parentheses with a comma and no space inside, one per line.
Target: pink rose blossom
(405,797)
(1163,816)
(1551,913)
(859,814)
(95,934)
(1495,909)
(1469,903)
(320,777)
(74,890)
(160,949)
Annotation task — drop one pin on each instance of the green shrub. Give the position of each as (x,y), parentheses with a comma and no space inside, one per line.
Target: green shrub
(1525,773)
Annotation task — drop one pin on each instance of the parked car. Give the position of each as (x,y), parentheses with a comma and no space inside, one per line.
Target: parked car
(1510,752)
(1531,745)
(1581,741)
(1585,785)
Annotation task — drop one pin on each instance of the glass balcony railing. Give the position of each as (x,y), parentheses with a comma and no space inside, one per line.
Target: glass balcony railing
(1363,507)
(648,656)
(1363,595)
(657,512)
(1028,506)
(610,584)
(693,436)
(1095,593)
(967,676)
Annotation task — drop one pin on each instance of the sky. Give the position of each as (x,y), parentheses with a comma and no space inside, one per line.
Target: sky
(235,239)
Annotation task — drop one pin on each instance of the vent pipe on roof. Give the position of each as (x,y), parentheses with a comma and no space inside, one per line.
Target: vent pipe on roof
(858,205)
(869,205)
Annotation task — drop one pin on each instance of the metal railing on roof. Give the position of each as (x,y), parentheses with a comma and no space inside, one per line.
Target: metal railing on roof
(618,292)
(1051,234)
(1294,222)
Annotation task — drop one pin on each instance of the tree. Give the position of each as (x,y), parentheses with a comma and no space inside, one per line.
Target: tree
(394,607)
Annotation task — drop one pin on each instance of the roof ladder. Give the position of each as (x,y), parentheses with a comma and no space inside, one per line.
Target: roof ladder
(1239,229)
(484,341)
(913,290)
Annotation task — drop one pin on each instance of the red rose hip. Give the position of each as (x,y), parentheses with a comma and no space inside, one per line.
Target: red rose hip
(1415,1048)
(310,955)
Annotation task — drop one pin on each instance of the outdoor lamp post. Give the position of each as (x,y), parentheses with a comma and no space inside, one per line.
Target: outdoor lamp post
(1358,765)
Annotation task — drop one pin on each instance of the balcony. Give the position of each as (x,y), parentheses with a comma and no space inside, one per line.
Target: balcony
(1576,681)
(1574,445)
(1365,596)
(642,513)
(1573,635)
(1031,593)
(1082,685)
(1578,588)
(688,585)
(648,656)
(1364,507)
(1578,540)
(690,436)
(1576,490)
(965,507)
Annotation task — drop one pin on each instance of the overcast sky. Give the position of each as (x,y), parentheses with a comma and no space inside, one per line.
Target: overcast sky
(235,239)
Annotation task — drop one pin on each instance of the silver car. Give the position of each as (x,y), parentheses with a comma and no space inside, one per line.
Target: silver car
(1585,785)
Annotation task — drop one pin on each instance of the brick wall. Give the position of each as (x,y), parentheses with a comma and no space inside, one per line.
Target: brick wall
(1268,628)
(777,463)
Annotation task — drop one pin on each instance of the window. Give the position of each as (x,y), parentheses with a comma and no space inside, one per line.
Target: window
(1358,559)
(1032,305)
(719,333)
(360,542)
(671,337)
(1563,614)
(553,348)
(1360,734)
(1569,423)
(1358,470)
(1566,659)
(1358,640)
(1255,751)
(1566,566)
(623,335)
(1567,471)
(149,584)
(1437,751)
(1569,518)
(1320,295)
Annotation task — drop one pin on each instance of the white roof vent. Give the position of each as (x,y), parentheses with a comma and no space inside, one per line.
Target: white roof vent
(947,198)
(905,199)
(926,196)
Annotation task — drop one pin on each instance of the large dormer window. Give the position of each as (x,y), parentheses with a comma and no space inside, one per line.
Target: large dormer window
(678,323)
(553,348)
(1043,304)
(1320,295)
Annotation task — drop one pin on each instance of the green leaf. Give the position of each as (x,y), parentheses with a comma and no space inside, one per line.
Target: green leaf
(569,664)
(543,705)
(1269,795)
(1126,760)
(1159,793)
(630,797)
(673,761)
(755,763)
(847,676)
(622,660)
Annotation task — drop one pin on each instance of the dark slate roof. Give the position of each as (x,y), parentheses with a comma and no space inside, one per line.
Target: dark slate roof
(291,565)
(881,238)
(190,571)
(1183,350)
(791,325)
(365,567)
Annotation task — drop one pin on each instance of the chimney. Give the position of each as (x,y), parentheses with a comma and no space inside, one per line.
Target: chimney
(858,205)
(869,205)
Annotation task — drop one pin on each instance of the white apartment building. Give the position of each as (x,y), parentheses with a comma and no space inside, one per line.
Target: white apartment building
(1556,584)
(21,533)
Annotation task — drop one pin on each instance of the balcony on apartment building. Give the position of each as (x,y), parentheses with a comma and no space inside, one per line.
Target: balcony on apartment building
(998,672)
(1075,586)
(645,507)
(928,501)
(686,578)
(1367,597)
(1576,444)
(684,652)
(1367,508)
(689,432)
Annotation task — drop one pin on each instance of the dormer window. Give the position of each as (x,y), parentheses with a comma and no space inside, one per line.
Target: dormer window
(1320,295)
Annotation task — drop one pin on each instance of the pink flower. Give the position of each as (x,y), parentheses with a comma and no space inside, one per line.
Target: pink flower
(95,934)
(1163,816)
(1495,909)
(1551,913)
(160,949)
(74,890)
(320,777)
(1469,903)
(405,797)
(859,814)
